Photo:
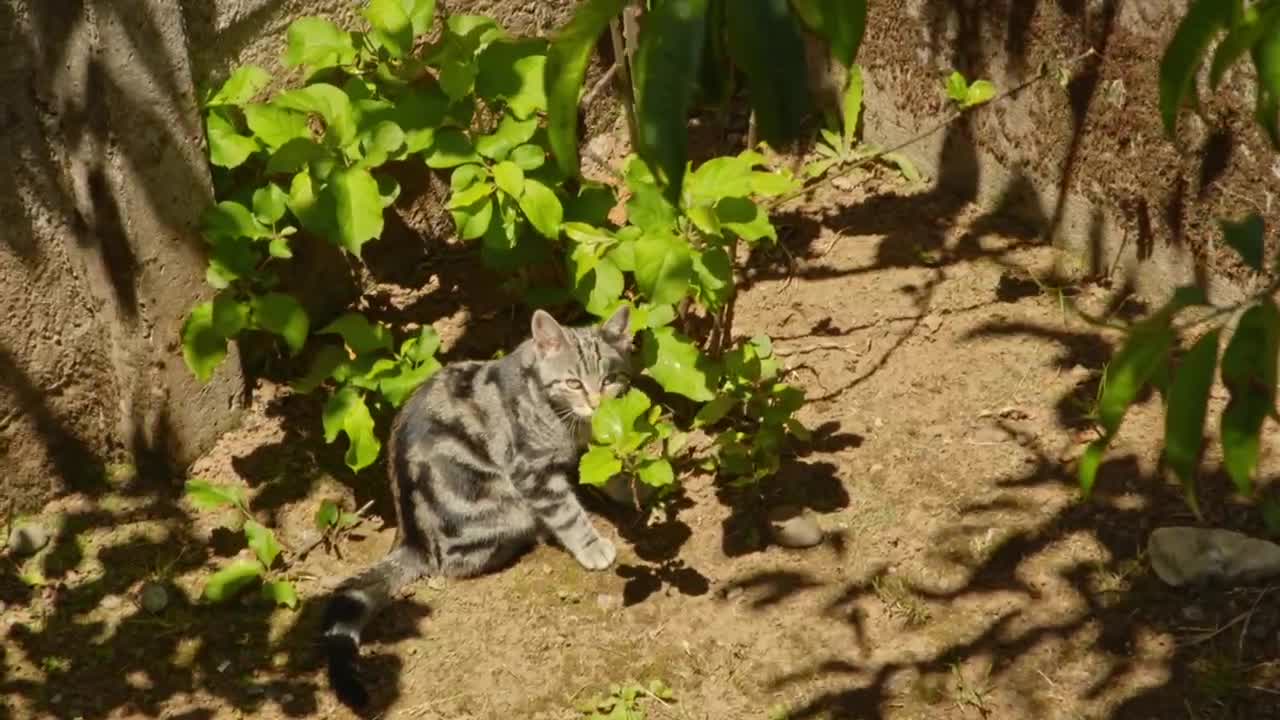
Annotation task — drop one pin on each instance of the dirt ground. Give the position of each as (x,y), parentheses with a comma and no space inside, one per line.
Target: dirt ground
(961,576)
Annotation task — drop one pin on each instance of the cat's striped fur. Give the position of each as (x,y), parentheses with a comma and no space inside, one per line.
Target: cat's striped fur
(482,461)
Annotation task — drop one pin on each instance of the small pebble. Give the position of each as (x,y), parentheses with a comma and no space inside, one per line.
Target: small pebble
(28,539)
(990,434)
(154,597)
(792,527)
(607,602)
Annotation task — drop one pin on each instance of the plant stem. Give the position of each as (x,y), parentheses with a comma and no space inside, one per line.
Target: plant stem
(951,117)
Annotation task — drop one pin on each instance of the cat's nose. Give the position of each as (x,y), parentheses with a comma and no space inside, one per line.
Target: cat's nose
(593,399)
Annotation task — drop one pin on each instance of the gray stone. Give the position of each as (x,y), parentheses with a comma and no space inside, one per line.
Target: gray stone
(793,527)
(154,597)
(1191,556)
(28,539)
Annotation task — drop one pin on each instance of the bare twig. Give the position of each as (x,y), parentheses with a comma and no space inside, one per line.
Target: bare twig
(815,347)
(600,84)
(939,125)
(1245,629)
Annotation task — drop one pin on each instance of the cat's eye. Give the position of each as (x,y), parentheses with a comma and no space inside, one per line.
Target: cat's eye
(573,384)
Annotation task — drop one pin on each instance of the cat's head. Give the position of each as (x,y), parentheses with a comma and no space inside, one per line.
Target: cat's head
(580,366)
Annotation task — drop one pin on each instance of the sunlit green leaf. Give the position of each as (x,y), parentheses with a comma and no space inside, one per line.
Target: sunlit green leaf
(1249,372)
(230,316)
(283,315)
(391,26)
(330,103)
(663,267)
(511,71)
(207,496)
(1185,414)
(243,84)
(616,417)
(359,334)
(318,43)
(598,465)
(566,67)
(509,178)
(347,413)
(276,126)
(511,133)
(203,347)
(671,40)
(357,208)
(677,364)
(227,147)
(656,472)
(230,580)
(281,593)
(540,204)
(851,104)
(262,541)
(269,203)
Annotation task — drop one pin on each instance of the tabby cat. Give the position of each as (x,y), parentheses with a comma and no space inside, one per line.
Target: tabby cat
(482,462)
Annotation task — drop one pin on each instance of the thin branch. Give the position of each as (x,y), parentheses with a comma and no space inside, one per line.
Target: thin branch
(600,84)
(312,545)
(940,125)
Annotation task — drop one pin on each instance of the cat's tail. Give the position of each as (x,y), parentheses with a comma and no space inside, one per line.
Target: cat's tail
(350,608)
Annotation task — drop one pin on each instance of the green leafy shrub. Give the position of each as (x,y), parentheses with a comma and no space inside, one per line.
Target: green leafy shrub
(309,164)
(238,575)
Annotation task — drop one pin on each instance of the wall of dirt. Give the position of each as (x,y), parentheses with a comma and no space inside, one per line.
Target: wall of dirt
(1086,164)
(102,181)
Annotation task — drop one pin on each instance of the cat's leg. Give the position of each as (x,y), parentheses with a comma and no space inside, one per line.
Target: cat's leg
(549,492)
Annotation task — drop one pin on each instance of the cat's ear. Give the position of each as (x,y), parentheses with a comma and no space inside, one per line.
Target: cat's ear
(548,337)
(617,329)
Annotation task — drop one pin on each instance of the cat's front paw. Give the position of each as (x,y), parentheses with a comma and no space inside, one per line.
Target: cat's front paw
(598,555)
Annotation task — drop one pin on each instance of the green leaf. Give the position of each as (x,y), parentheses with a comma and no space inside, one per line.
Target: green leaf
(1266,58)
(281,593)
(327,515)
(509,177)
(397,388)
(566,68)
(357,208)
(510,134)
(664,267)
(841,22)
(1249,372)
(957,87)
(422,348)
(382,142)
(347,413)
(276,126)
(421,13)
(746,219)
(464,176)
(244,83)
(714,411)
(1089,463)
(359,334)
(282,315)
(677,364)
(227,148)
(718,178)
(904,165)
(230,580)
(1130,370)
(269,203)
(597,466)
(473,220)
(1246,238)
(1240,40)
(649,210)
(230,316)
(978,93)
(327,359)
(1184,417)
(330,103)
(262,541)
(470,196)
(207,496)
(295,155)
(450,149)
(713,271)
(1184,54)
(656,472)
(540,204)
(670,47)
(203,347)
(851,104)
(764,40)
(231,220)
(318,43)
(391,25)
(511,70)
(616,417)
(528,157)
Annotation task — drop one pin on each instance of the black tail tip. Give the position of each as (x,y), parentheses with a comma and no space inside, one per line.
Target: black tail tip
(343,676)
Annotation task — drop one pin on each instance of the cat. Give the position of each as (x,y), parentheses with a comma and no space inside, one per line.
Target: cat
(482,461)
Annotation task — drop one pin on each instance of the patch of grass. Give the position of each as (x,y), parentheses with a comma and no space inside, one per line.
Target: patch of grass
(55,664)
(967,694)
(900,600)
(626,701)
(1218,677)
